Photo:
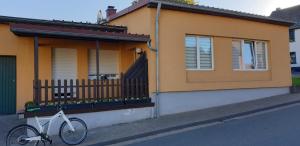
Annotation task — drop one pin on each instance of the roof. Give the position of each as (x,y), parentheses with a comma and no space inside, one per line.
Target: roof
(171,5)
(102,27)
(52,31)
(289,14)
(296,26)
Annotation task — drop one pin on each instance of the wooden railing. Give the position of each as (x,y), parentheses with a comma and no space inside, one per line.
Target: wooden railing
(58,92)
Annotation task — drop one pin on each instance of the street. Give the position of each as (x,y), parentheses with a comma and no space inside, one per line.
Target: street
(276,128)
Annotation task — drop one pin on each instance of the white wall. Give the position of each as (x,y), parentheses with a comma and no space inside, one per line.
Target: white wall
(295,47)
(178,102)
(100,119)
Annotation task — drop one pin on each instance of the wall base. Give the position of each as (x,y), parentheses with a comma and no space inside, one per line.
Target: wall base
(178,102)
(101,119)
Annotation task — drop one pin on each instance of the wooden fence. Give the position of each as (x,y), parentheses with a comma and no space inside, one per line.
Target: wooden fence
(86,91)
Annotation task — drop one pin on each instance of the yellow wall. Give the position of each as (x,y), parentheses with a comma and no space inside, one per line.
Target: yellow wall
(142,22)
(22,48)
(174,25)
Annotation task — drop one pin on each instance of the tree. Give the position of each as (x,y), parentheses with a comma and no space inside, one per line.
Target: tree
(191,2)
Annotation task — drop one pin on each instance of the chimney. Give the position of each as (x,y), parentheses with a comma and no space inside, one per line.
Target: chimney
(110,11)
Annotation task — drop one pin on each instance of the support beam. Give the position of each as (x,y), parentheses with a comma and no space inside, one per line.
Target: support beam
(36,68)
(36,58)
(97,67)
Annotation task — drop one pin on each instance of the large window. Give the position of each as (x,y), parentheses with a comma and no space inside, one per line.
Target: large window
(293,58)
(198,53)
(249,55)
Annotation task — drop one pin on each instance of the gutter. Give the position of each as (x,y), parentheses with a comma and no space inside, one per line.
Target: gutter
(156,50)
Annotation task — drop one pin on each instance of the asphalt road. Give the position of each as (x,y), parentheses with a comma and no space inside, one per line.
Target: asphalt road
(276,128)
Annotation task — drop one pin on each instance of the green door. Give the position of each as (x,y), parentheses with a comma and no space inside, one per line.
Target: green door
(7,85)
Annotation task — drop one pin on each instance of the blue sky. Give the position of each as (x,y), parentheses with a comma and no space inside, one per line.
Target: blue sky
(86,10)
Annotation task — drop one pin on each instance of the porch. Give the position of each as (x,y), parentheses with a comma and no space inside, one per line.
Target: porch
(87,80)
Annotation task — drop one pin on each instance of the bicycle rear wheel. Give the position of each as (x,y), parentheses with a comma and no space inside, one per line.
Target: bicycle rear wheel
(76,137)
(17,136)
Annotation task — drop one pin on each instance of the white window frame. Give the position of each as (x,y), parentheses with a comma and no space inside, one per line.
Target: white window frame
(198,53)
(242,66)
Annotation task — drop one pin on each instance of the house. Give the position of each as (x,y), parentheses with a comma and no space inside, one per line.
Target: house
(183,57)
(208,56)
(292,14)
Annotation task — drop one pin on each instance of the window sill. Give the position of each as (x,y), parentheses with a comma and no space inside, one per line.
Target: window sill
(251,70)
(200,69)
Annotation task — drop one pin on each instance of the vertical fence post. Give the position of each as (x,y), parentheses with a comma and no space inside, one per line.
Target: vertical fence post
(46,92)
(127,89)
(113,88)
(118,88)
(83,90)
(71,90)
(52,91)
(39,92)
(102,90)
(65,91)
(107,88)
(89,89)
(137,89)
(34,92)
(77,90)
(95,89)
(59,91)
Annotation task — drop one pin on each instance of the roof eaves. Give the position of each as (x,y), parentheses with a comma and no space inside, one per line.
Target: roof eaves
(217,12)
(22,30)
(8,19)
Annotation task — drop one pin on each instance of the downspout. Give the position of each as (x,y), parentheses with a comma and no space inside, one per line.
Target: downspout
(156,50)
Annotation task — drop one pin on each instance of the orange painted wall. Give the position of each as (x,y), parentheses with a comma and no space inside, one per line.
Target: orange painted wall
(22,48)
(142,22)
(174,25)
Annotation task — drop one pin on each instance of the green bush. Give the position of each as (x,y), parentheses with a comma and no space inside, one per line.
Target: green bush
(296,81)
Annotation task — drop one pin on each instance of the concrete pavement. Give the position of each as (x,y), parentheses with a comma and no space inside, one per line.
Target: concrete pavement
(120,133)
(7,122)
(276,128)
(124,132)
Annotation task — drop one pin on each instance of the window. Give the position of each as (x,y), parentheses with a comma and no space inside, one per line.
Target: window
(292,35)
(108,61)
(293,58)
(198,53)
(249,55)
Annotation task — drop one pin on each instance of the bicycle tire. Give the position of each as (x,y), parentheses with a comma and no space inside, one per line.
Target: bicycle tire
(63,136)
(18,128)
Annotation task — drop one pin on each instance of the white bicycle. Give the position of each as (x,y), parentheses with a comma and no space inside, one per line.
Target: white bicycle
(73,131)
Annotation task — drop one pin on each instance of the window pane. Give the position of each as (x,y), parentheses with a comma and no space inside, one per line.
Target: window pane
(292,35)
(261,60)
(236,54)
(191,52)
(205,53)
(293,58)
(248,55)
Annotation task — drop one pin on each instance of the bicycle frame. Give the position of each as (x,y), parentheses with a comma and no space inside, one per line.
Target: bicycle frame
(41,122)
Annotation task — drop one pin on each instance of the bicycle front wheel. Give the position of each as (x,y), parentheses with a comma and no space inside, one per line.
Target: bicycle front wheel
(76,137)
(18,135)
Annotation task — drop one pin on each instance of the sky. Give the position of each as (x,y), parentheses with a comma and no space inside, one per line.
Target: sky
(86,10)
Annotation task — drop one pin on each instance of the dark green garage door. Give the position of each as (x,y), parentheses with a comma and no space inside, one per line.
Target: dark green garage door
(7,85)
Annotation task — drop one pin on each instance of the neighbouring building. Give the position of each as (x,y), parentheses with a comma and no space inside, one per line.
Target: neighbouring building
(183,57)
(292,14)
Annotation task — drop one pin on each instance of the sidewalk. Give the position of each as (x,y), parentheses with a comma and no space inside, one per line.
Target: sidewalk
(124,132)
(7,122)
